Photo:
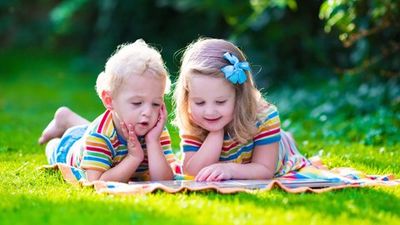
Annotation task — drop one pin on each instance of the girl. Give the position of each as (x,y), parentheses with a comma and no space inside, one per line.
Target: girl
(129,140)
(228,130)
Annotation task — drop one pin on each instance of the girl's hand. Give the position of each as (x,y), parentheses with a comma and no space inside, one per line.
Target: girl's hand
(155,133)
(219,133)
(200,124)
(134,147)
(215,172)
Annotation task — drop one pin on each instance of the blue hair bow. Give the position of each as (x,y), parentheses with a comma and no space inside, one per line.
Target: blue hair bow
(235,72)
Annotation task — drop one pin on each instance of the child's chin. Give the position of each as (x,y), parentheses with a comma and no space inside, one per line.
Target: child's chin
(141,132)
(213,128)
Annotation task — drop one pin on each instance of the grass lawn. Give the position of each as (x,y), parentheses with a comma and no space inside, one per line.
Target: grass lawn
(33,85)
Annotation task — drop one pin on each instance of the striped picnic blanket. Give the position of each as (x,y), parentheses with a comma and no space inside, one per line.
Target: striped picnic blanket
(316,178)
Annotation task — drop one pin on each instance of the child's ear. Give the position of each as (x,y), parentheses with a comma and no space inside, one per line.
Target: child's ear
(106,99)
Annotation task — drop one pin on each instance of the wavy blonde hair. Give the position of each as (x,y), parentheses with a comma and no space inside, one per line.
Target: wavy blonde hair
(205,57)
(129,59)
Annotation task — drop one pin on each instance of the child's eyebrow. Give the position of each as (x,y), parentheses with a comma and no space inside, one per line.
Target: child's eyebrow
(136,97)
(196,98)
(224,96)
(159,98)
(217,97)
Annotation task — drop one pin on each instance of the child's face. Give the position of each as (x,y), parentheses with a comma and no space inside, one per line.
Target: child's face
(138,102)
(211,102)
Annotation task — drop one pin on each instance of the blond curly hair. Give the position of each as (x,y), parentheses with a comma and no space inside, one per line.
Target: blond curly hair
(129,59)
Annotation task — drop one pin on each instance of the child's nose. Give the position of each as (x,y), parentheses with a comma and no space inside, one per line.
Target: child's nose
(146,110)
(209,110)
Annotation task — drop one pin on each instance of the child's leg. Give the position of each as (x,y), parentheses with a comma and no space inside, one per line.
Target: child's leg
(50,150)
(63,119)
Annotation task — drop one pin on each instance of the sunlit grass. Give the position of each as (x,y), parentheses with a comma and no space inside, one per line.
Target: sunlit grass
(33,88)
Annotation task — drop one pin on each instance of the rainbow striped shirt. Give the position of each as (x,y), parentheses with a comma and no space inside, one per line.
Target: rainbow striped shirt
(101,148)
(268,125)
(269,131)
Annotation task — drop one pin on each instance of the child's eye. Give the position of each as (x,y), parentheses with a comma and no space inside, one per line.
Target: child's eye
(136,103)
(156,104)
(199,103)
(220,102)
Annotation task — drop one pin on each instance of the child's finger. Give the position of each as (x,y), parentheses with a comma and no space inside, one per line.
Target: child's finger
(219,177)
(162,113)
(164,110)
(130,127)
(203,174)
(124,129)
(131,143)
(131,130)
(161,116)
(213,176)
(132,134)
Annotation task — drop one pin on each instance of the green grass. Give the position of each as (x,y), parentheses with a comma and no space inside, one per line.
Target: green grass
(33,85)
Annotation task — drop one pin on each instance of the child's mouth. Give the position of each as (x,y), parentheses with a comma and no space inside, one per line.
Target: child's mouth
(212,119)
(144,124)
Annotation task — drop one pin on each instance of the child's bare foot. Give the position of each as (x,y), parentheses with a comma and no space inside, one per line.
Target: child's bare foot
(56,127)
(64,118)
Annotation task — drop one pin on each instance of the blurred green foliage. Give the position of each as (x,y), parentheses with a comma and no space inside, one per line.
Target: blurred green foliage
(341,57)
(349,110)
(370,29)
(283,37)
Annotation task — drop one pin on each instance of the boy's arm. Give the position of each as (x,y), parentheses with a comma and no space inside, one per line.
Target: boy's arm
(124,170)
(121,172)
(159,168)
(208,154)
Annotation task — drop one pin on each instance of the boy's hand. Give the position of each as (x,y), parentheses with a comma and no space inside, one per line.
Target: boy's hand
(134,147)
(155,133)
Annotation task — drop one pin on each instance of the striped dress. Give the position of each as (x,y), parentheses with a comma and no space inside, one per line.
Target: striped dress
(269,131)
(101,147)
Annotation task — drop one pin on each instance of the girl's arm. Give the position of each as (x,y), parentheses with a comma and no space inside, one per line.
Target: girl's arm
(208,154)
(263,166)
